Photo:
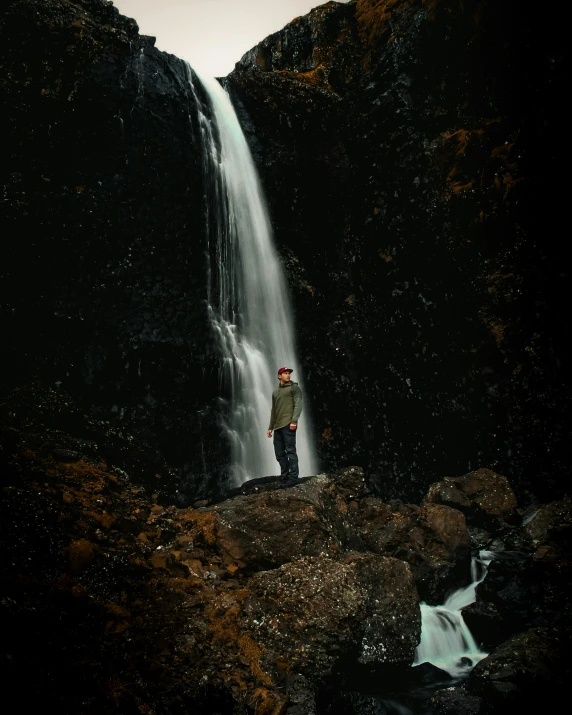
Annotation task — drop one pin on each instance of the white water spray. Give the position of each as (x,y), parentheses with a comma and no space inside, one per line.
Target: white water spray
(446,641)
(248,297)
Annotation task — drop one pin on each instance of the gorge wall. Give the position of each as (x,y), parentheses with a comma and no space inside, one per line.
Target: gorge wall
(407,149)
(104,264)
(408,152)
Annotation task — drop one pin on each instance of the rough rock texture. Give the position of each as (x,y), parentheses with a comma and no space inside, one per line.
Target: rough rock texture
(433,539)
(274,527)
(527,672)
(149,607)
(103,281)
(455,701)
(483,496)
(406,148)
(307,613)
(531,586)
(273,601)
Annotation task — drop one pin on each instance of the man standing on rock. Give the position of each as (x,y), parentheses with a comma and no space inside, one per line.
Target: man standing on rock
(286,410)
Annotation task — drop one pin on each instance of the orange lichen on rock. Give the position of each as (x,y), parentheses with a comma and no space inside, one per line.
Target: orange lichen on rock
(316,76)
(200,525)
(222,614)
(103,518)
(508,182)
(373,17)
(498,331)
(463,137)
(458,186)
(266,702)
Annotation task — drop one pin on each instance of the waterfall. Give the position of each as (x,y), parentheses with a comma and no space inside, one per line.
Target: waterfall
(248,301)
(446,642)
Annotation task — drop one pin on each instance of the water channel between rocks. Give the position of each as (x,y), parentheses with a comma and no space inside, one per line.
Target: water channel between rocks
(446,641)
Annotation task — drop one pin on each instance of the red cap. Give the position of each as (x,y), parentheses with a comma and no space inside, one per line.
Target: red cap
(284,369)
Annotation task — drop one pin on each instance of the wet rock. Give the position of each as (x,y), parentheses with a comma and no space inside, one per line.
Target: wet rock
(528,671)
(102,321)
(273,527)
(65,455)
(310,612)
(455,701)
(527,588)
(433,539)
(483,496)
(549,522)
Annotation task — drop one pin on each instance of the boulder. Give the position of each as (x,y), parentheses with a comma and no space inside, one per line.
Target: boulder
(549,522)
(433,539)
(530,587)
(455,701)
(483,496)
(268,529)
(304,616)
(530,670)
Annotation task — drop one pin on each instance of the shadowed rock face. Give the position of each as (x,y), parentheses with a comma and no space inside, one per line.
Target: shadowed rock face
(517,674)
(433,539)
(482,494)
(295,600)
(405,148)
(103,275)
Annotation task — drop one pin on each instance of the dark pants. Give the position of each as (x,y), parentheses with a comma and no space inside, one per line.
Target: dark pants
(285,451)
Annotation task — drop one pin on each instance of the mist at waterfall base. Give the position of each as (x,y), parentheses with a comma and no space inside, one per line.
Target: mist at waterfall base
(248,302)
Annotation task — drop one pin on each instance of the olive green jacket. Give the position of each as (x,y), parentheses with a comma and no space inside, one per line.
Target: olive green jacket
(286,405)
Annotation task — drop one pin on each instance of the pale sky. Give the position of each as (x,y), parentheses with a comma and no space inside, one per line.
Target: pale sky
(212,34)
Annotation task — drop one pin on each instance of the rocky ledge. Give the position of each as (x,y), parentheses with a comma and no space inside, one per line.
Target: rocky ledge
(300,600)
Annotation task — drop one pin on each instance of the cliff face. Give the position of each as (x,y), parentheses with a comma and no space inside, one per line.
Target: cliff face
(103,266)
(406,148)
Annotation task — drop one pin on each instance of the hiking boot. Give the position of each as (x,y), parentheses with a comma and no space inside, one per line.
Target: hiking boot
(289,481)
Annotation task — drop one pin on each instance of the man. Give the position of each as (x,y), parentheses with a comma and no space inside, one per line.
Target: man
(286,410)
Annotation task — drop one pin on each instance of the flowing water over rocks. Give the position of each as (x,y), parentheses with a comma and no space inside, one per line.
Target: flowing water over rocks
(249,305)
(446,641)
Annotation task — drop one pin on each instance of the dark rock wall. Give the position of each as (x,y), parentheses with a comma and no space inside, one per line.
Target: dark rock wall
(408,151)
(410,155)
(103,268)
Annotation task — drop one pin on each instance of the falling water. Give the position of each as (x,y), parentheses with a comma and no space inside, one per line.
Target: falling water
(446,642)
(248,296)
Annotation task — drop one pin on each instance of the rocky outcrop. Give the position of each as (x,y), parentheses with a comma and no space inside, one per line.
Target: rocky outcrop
(262,594)
(103,282)
(404,147)
(291,600)
(528,671)
(483,496)
(269,529)
(528,586)
(310,612)
(433,539)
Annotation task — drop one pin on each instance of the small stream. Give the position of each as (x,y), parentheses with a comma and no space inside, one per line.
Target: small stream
(446,654)
(446,641)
